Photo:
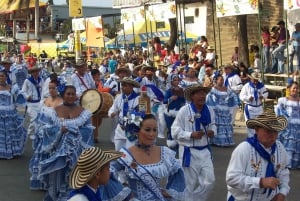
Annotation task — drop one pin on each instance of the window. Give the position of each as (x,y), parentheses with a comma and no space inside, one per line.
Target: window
(160,25)
(189,20)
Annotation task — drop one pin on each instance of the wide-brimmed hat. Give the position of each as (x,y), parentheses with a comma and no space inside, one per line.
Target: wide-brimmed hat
(147,67)
(128,80)
(255,76)
(210,48)
(5,61)
(123,69)
(192,89)
(80,63)
(269,121)
(88,164)
(34,68)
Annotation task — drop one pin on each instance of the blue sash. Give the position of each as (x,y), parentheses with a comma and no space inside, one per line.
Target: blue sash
(270,172)
(226,83)
(85,190)
(145,177)
(36,84)
(256,88)
(133,95)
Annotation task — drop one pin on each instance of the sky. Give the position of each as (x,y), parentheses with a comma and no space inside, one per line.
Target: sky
(99,3)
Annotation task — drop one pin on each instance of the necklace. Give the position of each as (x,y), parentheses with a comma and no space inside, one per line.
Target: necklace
(145,148)
(69,104)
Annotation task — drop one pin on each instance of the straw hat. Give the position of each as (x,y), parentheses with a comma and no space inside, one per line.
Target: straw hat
(150,68)
(228,66)
(34,68)
(192,89)
(79,63)
(210,48)
(128,80)
(88,164)
(255,76)
(5,61)
(268,121)
(123,69)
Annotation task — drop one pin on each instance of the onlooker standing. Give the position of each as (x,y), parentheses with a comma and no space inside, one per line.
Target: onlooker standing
(274,45)
(279,51)
(235,56)
(266,37)
(257,170)
(295,47)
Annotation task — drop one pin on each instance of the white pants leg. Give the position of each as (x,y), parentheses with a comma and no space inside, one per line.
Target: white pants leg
(199,177)
(32,111)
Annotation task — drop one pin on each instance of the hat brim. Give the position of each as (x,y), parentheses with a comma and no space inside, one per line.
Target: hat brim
(194,88)
(78,180)
(126,70)
(132,82)
(150,68)
(254,78)
(279,125)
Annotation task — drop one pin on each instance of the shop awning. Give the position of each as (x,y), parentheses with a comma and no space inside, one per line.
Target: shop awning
(7,7)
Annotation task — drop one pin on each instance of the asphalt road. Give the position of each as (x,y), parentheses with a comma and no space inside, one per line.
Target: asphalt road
(14,174)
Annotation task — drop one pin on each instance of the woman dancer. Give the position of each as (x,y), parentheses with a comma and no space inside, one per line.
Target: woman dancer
(146,164)
(223,101)
(67,134)
(290,136)
(12,133)
(42,125)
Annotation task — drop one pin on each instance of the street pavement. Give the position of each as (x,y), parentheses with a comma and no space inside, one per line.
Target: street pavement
(14,173)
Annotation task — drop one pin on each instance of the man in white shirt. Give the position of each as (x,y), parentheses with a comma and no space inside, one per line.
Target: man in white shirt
(257,170)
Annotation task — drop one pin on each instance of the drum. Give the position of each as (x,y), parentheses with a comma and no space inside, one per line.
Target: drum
(107,102)
(96,102)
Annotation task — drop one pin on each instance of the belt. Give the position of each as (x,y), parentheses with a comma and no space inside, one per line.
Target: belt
(254,105)
(33,101)
(186,159)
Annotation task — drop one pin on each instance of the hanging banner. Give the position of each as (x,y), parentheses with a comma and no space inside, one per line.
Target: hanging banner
(132,15)
(78,24)
(236,7)
(162,12)
(291,4)
(94,32)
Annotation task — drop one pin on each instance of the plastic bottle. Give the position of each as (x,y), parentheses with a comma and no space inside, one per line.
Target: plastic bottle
(144,101)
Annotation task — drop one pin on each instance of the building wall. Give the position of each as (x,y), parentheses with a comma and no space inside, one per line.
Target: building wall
(272,12)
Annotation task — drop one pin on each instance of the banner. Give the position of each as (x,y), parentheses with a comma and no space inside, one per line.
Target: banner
(291,4)
(162,12)
(236,7)
(78,24)
(132,15)
(94,32)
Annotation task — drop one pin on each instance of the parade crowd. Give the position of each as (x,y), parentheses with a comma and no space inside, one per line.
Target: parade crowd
(149,94)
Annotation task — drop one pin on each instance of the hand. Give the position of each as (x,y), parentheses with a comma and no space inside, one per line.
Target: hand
(164,193)
(279,197)
(210,133)
(251,98)
(174,98)
(261,97)
(113,114)
(29,98)
(197,134)
(269,182)
(64,129)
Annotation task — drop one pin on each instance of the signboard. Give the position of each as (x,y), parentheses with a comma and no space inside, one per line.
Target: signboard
(75,8)
(236,7)
(291,4)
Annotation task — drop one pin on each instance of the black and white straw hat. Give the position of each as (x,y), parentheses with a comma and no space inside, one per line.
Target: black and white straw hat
(192,89)
(89,162)
(269,121)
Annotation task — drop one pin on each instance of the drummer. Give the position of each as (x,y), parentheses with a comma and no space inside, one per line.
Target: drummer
(97,119)
(123,104)
(82,80)
(112,82)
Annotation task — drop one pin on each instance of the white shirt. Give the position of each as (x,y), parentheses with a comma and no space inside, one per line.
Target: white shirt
(248,91)
(80,87)
(184,125)
(247,167)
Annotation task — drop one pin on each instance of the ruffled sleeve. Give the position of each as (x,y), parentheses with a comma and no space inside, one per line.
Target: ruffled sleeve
(114,190)
(176,183)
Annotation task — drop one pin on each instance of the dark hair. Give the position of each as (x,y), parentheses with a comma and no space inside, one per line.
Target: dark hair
(62,93)
(146,117)
(95,72)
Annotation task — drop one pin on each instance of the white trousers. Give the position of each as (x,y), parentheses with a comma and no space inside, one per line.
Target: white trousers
(253,113)
(120,139)
(199,177)
(32,111)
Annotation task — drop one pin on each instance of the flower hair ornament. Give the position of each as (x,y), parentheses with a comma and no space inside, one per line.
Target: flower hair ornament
(132,124)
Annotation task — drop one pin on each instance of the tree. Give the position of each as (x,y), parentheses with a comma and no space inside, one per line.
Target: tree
(243,39)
